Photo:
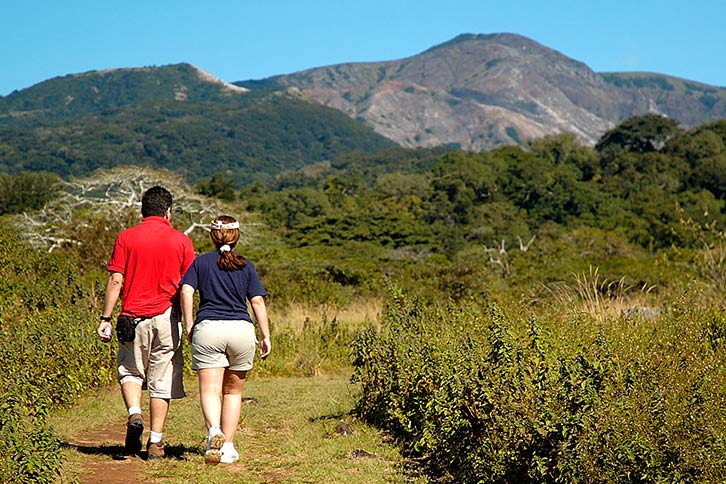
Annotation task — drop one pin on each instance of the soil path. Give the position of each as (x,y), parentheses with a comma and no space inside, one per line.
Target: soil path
(288,433)
(102,460)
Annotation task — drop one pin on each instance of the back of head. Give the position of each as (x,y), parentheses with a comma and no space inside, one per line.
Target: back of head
(225,235)
(155,202)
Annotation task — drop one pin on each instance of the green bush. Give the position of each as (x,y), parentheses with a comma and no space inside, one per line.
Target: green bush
(49,353)
(484,396)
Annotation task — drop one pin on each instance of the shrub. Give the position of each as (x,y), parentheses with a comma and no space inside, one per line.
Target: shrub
(49,353)
(484,396)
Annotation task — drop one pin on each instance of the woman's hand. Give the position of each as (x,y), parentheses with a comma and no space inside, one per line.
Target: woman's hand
(265,347)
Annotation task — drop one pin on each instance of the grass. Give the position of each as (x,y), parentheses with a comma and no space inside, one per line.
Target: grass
(287,436)
(295,316)
(597,298)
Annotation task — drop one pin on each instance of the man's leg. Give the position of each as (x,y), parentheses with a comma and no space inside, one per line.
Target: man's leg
(158,410)
(131,393)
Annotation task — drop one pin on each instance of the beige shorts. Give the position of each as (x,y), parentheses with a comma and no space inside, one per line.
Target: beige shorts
(154,357)
(223,344)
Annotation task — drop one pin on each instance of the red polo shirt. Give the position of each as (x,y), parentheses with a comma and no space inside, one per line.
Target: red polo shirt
(152,256)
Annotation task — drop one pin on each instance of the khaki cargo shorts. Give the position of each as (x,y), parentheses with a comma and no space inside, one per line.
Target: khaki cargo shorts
(223,344)
(155,357)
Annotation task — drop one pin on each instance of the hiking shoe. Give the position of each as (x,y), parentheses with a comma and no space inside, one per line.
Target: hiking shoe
(213,455)
(154,451)
(229,456)
(134,429)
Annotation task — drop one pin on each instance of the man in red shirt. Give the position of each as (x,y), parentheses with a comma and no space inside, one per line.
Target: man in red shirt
(147,263)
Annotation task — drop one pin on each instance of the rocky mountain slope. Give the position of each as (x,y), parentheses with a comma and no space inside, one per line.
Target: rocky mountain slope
(482,91)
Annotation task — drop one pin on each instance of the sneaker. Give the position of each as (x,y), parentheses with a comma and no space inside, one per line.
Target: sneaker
(213,455)
(229,456)
(154,451)
(134,429)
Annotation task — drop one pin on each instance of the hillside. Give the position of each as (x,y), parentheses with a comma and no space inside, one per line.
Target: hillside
(483,91)
(175,117)
(95,92)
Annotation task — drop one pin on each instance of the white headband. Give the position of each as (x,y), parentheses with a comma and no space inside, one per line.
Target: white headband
(216,225)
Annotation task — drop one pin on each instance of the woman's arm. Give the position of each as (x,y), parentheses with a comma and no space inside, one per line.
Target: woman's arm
(260,310)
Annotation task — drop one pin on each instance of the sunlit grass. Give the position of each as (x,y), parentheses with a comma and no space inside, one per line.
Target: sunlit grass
(600,299)
(296,316)
(286,435)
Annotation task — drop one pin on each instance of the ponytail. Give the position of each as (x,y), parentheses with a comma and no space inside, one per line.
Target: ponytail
(225,235)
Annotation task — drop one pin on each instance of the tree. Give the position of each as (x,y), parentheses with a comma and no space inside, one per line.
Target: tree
(640,134)
(91,211)
(218,186)
(27,191)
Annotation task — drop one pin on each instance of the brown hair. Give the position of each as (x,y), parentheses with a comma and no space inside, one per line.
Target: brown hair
(228,260)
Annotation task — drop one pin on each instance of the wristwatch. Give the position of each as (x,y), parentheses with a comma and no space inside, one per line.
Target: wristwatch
(105,318)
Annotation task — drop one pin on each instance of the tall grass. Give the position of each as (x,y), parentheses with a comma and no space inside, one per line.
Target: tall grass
(316,340)
(600,299)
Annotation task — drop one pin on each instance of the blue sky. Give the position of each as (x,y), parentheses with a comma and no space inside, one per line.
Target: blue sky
(237,40)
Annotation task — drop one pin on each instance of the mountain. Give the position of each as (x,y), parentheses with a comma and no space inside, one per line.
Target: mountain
(483,91)
(476,92)
(94,92)
(176,117)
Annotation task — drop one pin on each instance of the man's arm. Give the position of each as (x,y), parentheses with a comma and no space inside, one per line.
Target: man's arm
(113,292)
(187,306)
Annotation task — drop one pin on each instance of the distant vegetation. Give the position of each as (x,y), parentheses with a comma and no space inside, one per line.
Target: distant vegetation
(550,314)
(170,118)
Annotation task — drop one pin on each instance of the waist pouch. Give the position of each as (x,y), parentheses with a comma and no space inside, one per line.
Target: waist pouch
(126,328)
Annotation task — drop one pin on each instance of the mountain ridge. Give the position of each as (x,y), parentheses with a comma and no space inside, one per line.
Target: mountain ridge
(475,92)
(480,91)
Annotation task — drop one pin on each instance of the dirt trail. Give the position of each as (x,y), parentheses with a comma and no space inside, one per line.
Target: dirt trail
(104,461)
(287,433)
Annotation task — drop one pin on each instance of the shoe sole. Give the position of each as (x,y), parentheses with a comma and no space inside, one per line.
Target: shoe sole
(133,437)
(214,455)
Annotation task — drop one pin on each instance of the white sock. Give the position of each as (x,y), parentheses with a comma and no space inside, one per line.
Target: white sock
(214,431)
(227,447)
(155,437)
(133,410)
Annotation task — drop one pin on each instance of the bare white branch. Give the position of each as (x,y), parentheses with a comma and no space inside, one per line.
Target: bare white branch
(115,194)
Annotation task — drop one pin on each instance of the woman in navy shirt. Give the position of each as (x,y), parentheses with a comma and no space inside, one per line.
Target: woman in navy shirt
(222,334)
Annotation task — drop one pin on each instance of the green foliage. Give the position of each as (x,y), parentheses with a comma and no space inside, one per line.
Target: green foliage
(248,138)
(484,396)
(26,191)
(464,384)
(48,350)
(317,347)
(640,134)
(218,187)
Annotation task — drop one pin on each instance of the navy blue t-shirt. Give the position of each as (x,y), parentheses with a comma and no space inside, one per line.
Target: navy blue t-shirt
(222,294)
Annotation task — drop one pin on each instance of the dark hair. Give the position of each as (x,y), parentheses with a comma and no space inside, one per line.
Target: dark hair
(228,260)
(155,202)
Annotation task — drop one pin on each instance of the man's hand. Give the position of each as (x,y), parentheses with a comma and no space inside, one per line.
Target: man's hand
(105,330)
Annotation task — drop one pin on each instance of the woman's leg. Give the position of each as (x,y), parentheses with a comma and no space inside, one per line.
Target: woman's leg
(210,394)
(233,385)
